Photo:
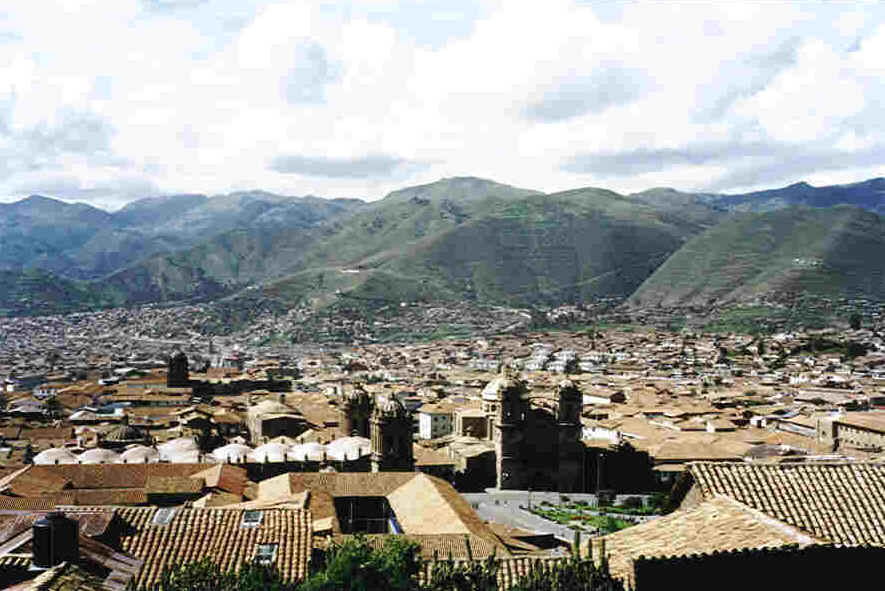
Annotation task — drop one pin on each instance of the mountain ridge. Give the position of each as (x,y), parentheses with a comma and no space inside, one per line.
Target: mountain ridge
(455,238)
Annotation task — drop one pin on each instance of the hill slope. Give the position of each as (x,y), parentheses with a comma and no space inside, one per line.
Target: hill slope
(824,251)
(77,241)
(504,246)
(34,292)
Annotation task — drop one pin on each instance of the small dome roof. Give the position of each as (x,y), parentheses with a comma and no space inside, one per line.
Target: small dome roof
(307,451)
(55,455)
(178,444)
(98,456)
(348,448)
(269,452)
(191,456)
(233,452)
(178,450)
(138,453)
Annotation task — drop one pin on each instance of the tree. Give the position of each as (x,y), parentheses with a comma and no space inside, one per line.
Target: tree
(205,575)
(354,565)
(854,321)
(53,407)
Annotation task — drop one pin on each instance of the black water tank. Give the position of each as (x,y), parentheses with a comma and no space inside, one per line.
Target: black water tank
(56,540)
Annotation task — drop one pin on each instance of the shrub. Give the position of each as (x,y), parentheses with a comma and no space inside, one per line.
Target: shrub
(632,503)
(354,565)
(205,575)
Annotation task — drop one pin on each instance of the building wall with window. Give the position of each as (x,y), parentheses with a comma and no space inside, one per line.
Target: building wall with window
(433,424)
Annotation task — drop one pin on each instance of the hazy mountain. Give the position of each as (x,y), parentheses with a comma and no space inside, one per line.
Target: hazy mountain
(156,210)
(869,195)
(456,238)
(78,241)
(39,232)
(823,251)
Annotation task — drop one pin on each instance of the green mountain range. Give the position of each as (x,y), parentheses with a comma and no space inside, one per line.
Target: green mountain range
(460,238)
(834,251)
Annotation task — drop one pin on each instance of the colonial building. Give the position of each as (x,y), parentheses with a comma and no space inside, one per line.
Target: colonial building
(537,437)
(272,418)
(387,423)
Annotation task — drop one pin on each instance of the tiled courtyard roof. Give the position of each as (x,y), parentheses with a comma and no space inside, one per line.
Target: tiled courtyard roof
(216,533)
(840,502)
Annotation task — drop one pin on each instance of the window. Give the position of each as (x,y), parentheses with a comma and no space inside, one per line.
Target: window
(266,553)
(163,516)
(252,518)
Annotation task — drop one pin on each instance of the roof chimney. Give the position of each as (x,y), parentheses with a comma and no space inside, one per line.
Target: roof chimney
(56,540)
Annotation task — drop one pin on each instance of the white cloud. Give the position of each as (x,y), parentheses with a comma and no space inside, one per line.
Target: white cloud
(206,96)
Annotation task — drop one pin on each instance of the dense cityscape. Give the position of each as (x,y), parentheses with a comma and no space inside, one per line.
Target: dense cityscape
(448,295)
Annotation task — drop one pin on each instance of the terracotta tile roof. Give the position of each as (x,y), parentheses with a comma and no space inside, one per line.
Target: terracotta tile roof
(46,433)
(109,496)
(41,503)
(430,457)
(839,502)
(231,479)
(194,533)
(349,484)
(34,481)
(173,485)
(718,524)
(93,523)
(423,504)
(94,476)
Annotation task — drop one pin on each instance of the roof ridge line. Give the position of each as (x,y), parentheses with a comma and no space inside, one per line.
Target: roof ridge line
(772,521)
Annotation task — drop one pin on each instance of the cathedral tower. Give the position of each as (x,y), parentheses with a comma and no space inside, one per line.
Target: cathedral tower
(391,431)
(177,373)
(510,407)
(357,408)
(568,425)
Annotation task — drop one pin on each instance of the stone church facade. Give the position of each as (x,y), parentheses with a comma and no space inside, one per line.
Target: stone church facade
(536,437)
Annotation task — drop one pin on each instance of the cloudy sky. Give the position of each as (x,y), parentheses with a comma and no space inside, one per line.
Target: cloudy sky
(110,101)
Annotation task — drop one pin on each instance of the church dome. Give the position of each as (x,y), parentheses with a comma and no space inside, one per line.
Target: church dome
(392,407)
(356,395)
(567,388)
(503,387)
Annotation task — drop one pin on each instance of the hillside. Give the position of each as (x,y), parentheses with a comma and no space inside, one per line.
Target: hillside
(823,251)
(457,238)
(507,246)
(35,292)
(461,238)
(77,241)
